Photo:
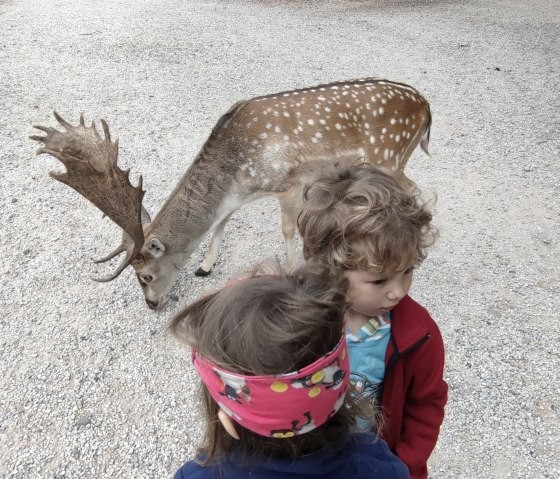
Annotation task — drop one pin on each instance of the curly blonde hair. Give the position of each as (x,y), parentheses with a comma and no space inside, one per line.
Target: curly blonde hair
(359,218)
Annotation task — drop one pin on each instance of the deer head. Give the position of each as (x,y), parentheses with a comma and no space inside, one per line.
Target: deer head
(156,270)
(91,169)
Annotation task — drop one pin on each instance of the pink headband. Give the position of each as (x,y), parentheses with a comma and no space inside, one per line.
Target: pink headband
(284,405)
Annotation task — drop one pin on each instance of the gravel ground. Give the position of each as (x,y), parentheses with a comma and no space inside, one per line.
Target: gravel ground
(92,384)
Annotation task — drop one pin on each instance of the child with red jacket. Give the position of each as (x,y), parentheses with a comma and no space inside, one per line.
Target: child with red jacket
(366,228)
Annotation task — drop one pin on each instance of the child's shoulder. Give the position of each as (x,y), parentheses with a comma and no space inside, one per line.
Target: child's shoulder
(363,456)
(373,454)
(192,470)
(408,310)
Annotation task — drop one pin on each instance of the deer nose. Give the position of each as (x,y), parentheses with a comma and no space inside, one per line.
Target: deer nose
(151,304)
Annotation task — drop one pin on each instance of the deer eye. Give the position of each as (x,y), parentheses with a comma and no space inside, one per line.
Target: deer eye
(148,278)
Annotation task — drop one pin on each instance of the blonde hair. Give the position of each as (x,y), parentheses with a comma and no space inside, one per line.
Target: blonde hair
(359,218)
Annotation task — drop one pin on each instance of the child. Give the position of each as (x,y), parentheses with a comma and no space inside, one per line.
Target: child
(272,356)
(365,228)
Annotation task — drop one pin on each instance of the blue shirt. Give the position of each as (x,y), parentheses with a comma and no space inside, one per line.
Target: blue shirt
(367,348)
(363,456)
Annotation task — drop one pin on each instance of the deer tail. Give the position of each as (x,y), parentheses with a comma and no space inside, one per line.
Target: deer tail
(425,141)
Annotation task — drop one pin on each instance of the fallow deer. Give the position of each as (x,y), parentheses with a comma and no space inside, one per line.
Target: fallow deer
(263,146)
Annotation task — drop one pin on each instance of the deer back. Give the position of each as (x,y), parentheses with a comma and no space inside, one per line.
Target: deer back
(263,140)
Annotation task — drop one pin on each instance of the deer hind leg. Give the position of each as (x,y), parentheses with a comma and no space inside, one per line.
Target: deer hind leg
(422,137)
(404,181)
(290,206)
(206,266)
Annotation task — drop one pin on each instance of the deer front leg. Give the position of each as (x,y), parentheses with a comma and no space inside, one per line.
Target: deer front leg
(290,205)
(208,263)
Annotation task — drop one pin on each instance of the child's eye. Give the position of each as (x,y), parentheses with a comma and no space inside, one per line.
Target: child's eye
(378,282)
(409,270)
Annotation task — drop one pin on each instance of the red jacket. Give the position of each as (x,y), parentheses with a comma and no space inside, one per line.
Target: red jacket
(414,392)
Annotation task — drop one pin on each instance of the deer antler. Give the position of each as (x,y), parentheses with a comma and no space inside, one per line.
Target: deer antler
(91,169)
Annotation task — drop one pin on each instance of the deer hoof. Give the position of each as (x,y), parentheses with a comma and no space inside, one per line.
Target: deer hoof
(201,272)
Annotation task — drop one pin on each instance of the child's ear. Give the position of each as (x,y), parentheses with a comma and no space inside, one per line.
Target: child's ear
(228,424)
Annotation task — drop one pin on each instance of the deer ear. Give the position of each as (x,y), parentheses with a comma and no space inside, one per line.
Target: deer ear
(155,248)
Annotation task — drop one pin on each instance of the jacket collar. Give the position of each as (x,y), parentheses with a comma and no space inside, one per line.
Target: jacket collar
(407,329)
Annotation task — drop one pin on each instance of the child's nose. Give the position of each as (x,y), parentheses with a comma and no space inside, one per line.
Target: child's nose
(396,292)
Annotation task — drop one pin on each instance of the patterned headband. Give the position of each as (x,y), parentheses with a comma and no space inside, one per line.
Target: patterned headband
(284,405)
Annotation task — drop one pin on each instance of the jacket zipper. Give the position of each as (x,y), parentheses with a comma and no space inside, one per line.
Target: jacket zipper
(398,355)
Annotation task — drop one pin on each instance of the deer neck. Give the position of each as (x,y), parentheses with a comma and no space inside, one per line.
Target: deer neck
(198,202)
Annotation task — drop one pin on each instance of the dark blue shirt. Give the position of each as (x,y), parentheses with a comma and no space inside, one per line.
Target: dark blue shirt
(363,456)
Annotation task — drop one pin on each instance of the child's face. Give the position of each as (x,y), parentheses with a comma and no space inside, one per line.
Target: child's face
(373,293)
